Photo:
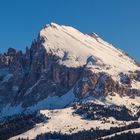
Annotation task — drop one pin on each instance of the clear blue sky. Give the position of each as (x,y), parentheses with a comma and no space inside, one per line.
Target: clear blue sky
(116,21)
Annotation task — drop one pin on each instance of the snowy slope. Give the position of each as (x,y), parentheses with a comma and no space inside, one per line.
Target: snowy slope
(50,102)
(130,103)
(75,48)
(63,120)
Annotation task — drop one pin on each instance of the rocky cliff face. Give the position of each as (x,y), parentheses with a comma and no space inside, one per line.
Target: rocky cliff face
(44,71)
(97,83)
(34,75)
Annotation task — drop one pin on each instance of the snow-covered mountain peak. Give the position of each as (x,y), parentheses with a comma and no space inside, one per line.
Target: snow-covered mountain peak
(74,48)
(52,24)
(72,77)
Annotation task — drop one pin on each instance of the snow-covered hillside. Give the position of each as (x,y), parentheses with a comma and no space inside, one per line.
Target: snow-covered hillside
(65,121)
